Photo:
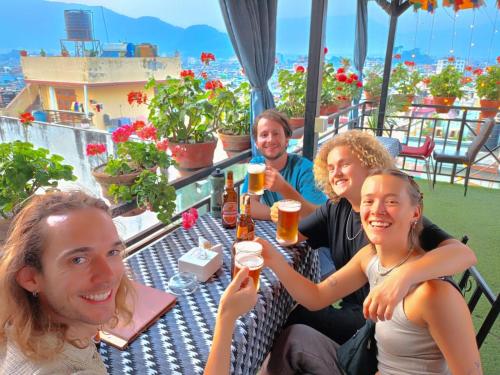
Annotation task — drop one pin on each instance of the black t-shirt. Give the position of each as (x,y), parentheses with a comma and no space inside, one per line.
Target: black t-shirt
(332,224)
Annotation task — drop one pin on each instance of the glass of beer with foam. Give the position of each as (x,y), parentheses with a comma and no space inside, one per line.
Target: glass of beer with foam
(288,222)
(248,247)
(256,178)
(253,262)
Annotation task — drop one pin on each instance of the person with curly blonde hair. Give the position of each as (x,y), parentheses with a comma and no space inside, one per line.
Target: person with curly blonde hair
(340,168)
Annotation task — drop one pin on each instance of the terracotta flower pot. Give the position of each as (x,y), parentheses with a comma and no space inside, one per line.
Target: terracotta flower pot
(443,100)
(296,122)
(234,143)
(372,98)
(489,104)
(191,156)
(105,180)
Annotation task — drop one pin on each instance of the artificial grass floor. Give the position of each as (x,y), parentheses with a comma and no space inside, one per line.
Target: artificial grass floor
(478,216)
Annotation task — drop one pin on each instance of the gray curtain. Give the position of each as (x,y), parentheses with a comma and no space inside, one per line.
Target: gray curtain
(360,43)
(251,25)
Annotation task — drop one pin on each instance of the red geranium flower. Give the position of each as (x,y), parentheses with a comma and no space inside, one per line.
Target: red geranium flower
(177,150)
(349,80)
(189,218)
(451,59)
(409,63)
(468,68)
(341,77)
(138,125)
(122,134)
(187,73)
(94,149)
(299,69)
(206,57)
(214,84)
(397,56)
(26,118)
(359,84)
(204,75)
(147,132)
(162,145)
(325,50)
(354,76)
(478,71)
(340,70)
(498,59)
(137,96)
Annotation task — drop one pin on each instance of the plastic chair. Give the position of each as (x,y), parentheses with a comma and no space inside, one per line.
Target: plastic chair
(422,152)
(469,157)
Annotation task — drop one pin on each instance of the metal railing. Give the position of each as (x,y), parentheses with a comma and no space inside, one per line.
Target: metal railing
(69,117)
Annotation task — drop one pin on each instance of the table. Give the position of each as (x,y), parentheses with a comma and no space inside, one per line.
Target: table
(391,144)
(179,342)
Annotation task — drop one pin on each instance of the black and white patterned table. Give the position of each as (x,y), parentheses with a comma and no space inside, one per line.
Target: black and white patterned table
(391,144)
(179,342)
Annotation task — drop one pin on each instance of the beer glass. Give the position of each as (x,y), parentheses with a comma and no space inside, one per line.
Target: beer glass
(253,262)
(256,178)
(288,222)
(249,247)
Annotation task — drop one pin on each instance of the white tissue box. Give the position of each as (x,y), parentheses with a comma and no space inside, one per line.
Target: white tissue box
(202,268)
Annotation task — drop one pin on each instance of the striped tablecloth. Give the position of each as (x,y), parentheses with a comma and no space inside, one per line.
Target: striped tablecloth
(179,342)
(391,144)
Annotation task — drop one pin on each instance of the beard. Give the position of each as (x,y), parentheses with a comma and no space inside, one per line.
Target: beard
(277,156)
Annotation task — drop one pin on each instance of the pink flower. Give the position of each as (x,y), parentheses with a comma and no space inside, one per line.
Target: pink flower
(162,145)
(138,125)
(94,149)
(122,134)
(299,69)
(189,218)
(147,132)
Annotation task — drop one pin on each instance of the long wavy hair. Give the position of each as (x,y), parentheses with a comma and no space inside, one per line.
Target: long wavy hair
(364,146)
(22,319)
(416,199)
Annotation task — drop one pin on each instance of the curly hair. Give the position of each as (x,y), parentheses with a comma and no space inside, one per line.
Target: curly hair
(363,145)
(21,317)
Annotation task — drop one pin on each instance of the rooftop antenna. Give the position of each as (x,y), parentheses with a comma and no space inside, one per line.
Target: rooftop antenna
(104,21)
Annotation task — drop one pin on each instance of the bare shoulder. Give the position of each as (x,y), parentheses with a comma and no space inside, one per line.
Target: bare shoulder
(437,293)
(364,256)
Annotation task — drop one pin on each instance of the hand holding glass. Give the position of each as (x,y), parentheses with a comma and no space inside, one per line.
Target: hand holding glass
(256,178)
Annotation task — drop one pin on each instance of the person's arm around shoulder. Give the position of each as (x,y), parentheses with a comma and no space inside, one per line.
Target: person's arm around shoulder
(447,316)
(450,257)
(313,296)
(236,300)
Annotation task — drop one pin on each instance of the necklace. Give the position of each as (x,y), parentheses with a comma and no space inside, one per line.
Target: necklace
(350,238)
(385,273)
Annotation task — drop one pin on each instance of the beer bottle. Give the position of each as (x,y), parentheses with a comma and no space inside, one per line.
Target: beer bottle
(229,203)
(245,227)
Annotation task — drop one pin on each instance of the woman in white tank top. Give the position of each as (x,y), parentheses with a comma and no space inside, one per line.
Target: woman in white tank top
(430,331)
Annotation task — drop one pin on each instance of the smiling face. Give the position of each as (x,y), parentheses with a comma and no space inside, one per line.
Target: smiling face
(271,139)
(81,268)
(346,174)
(387,212)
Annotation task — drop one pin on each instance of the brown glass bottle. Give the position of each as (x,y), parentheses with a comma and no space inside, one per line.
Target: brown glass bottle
(245,227)
(229,203)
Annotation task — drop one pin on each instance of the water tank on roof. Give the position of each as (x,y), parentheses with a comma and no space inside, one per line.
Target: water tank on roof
(78,24)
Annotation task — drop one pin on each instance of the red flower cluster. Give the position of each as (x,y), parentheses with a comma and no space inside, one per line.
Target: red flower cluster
(468,68)
(206,57)
(300,69)
(498,59)
(340,70)
(189,218)
(451,59)
(409,63)
(204,75)
(466,80)
(478,71)
(122,134)
(214,84)
(94,149)
(26,118)
(187,73)
(147,132)
(397,56)
(137,96)
(162,145)
(325,50)
(341,77)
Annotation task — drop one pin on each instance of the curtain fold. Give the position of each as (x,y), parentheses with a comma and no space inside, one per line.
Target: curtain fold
(360,43)
(251,26)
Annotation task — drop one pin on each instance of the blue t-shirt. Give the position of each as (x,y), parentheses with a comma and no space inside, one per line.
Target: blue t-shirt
(298,173)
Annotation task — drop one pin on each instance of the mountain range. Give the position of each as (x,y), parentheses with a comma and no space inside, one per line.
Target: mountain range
(36,24)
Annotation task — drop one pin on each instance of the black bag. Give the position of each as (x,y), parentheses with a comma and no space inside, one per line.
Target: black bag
(358,355)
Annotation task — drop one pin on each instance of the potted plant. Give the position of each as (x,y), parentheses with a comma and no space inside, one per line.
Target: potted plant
(292,99)
(488,90)
(445,87)
(234,124)
(138,170)
(183,111)
(338,88)
(23,170)
(404,80)
(373,84)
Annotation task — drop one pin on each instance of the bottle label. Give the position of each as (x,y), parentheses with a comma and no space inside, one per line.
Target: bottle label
(230,212)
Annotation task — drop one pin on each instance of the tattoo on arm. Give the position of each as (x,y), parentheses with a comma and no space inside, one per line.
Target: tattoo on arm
(332,281)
